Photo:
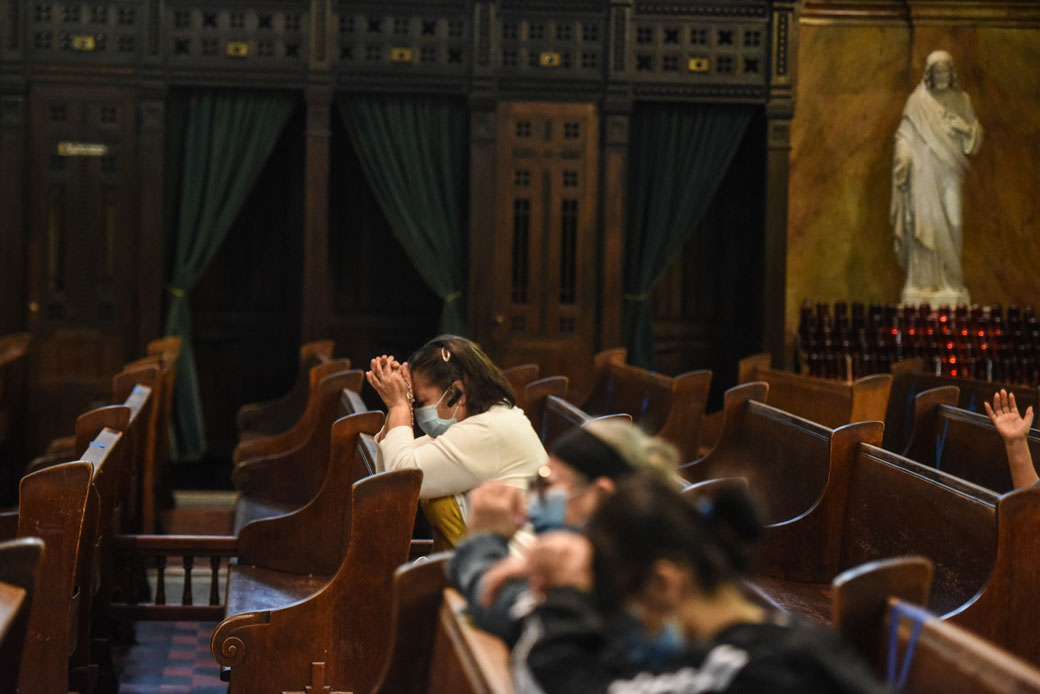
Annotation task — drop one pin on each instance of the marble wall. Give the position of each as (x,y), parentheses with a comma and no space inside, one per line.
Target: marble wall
(853,78)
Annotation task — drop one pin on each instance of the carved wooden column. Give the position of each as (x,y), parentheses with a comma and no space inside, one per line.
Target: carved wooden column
(616,117)
(481,305)
(779,112)
(151,137)
(317,288)
(13,138)
(615,194)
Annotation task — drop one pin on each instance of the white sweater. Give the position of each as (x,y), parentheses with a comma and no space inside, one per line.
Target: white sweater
(499,445)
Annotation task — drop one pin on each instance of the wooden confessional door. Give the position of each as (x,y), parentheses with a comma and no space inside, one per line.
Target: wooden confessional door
(542,275)
(81,269)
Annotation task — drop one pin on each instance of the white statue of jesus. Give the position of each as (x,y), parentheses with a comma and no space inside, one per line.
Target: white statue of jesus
(938,130)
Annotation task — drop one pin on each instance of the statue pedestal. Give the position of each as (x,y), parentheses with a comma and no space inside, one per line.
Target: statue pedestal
(936,297)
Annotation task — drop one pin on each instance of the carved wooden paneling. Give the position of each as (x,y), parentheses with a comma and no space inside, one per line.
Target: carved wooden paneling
(262,36)
(108,32)
(677,51)
(523,50)
(81,229)
(404,43)
(543,267)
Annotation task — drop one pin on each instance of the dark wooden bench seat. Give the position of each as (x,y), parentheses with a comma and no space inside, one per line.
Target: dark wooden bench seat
(272,417)
(965,444)
(946,658)
(786,460)
(909,379)
(665,406)
(535,393)
(878,505)
(278,484)
(287,625)
(560,416)
(830,403)
(302,427)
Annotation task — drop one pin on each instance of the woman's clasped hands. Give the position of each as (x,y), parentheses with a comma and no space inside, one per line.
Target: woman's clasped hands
(391,380)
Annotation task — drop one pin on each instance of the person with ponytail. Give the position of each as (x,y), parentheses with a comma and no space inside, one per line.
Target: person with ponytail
(474,432)
(672,567)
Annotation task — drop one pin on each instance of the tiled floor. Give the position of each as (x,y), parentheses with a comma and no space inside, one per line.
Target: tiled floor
(169,658)
(174,657)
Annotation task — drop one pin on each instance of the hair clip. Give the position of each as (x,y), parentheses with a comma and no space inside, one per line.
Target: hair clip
(445,354)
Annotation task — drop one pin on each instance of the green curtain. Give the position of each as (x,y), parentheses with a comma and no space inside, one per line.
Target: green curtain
(228,138)
(678,155)
(414,151)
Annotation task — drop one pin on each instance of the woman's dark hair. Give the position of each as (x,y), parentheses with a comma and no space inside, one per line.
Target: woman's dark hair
(647,519)
(449,358)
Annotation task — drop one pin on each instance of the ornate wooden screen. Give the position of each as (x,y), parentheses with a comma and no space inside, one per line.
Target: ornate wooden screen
(82,242)
(543,271)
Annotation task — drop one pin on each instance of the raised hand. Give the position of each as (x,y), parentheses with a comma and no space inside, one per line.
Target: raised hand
(1005,417)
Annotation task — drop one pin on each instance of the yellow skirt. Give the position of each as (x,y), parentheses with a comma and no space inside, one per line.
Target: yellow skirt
(445,516)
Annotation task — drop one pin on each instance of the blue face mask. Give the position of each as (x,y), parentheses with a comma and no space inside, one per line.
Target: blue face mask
(656,653)
(432,424)
(549,511)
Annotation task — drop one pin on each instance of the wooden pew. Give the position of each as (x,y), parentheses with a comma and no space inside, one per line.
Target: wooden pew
(435,648)
(159,494)
(535,394)
(831,403)
(287,631)
(19,572)
(286,479)
(417,594)
(518,377)
(878,505)
(262,419)
(946,658)
(465,659)
(559,417)
(303,427)
(786,460)
(53,506)
(909,379)
(660,405)
(326,517)
(966,445)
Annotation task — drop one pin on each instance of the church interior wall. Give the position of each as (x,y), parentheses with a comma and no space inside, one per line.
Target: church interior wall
(853,80)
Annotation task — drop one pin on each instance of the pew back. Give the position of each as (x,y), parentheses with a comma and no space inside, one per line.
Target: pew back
(910,379)
(416,609)
(53,506)
(281,414)
(897,507)
(303,426)
(831,403)
(945,657)
(966,445)
(672,408)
